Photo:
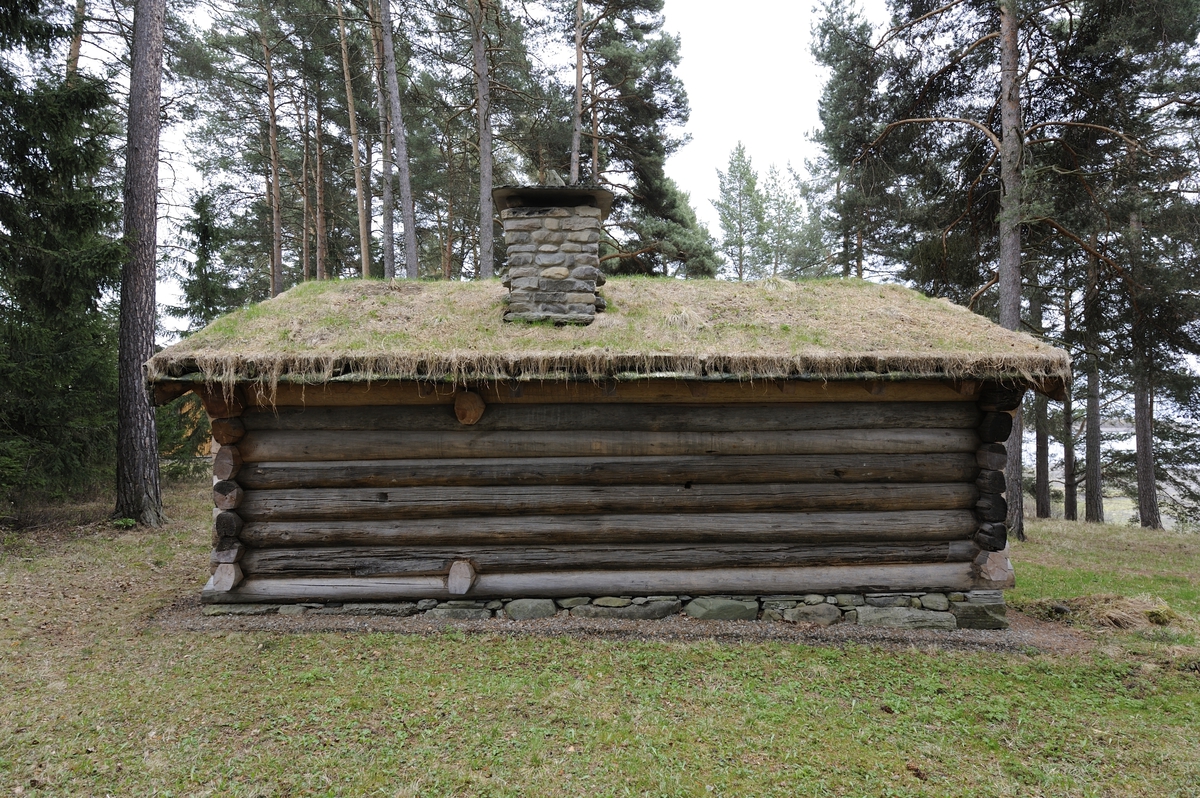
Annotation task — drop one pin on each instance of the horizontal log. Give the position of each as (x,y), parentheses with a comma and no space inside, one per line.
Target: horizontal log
(850,527)
(633,417)
(880,578)
(652,391)
(269,445)
(705,469)
(391,561)
(221,401)
(345,504)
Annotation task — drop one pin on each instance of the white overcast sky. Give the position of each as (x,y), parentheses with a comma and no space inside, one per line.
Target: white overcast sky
(750,78)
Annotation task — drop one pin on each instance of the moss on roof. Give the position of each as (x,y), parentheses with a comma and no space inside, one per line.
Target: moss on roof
(821,329)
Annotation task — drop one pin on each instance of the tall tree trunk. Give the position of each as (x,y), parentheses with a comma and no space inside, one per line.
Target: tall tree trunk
(1143,395)
(1041,421)
(1070,478)
(477,11)
(386,199)
(577,120)
(400,143)
(1093,506)
(1009,265)
(364,213)
(276,195)
(319,184)
(305,201)
(138,493)
(858,254)
(76,38)
(595,109)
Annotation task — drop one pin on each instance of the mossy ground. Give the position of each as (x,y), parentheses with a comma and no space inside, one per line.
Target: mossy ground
(97,699)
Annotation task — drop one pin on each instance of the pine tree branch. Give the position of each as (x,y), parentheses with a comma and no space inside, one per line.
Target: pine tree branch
(992,137)
(891,33)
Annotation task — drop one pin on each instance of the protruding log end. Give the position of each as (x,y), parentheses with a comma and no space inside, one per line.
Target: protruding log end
(992,456)
(461,578)
(991,507)
(1000,398)
(995,427)
(219,403)
(992,536)
(229,555)
(227,495)
(226,576)
(990,481)
(226,431)
(227,462)
(227,528)
(166,392)
(468,407)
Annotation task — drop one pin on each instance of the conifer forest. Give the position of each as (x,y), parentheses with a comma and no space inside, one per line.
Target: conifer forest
(1037,162)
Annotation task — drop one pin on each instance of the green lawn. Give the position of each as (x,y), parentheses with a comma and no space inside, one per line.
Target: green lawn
(97,700)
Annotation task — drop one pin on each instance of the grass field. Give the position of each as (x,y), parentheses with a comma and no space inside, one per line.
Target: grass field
(98,700)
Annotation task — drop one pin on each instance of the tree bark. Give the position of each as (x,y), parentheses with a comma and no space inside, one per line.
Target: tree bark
(319,183)
(477,11)
(577,120)
(1040,422)
(387,199)
(364,213)
(305,202)
(276,194)
(1143,397)
(1009,264)
(595,111)
(400,143)
(1093,507)
(76,38)
(138,492)
(1070,479)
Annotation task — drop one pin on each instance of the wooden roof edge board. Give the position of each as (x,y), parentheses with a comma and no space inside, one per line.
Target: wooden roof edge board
(367,331)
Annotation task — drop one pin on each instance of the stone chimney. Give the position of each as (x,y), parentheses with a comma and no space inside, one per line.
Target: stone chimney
(552,235)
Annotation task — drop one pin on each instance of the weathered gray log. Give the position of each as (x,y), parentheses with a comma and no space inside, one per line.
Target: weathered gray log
(705,469)
(227,495)
(921,525)
(342,504)
(995,427)
(266,445)
(227,462)
(643,418)
(992,536)
(990,481)
(992,456)
(226,431)
(739,581)
(225,577)
(384,561)
(991,507)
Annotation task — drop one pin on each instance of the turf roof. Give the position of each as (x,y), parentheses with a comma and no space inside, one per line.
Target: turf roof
(822,329)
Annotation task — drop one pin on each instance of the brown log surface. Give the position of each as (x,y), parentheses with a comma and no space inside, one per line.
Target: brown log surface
(343,504)
(712,469)
(271,445)
(383,561)
(818,527)
(633,417)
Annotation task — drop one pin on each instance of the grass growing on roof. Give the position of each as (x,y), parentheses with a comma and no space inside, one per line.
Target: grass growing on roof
(453,330)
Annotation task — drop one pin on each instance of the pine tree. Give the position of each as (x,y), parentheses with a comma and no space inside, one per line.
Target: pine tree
(740,209)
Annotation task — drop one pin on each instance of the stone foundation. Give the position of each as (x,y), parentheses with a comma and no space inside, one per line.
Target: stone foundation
(553,264)
(977,609)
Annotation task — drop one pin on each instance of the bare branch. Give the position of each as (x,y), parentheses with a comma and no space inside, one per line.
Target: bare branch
(893,32)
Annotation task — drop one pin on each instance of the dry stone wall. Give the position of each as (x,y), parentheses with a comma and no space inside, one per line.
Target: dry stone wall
(553,264)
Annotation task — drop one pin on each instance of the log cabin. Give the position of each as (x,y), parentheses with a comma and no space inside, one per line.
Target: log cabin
(402,441)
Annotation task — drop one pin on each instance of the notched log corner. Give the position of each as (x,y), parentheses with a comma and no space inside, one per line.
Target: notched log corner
(226,576)
(227,494)
(227,431)
(222,403)
(227,462)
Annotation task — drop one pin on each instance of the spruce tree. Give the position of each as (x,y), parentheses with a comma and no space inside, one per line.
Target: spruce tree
(740,208)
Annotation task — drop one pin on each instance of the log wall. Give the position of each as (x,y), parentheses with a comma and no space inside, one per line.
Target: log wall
(565,489)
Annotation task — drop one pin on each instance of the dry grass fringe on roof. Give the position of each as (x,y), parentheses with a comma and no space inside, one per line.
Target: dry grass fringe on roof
(822,329)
